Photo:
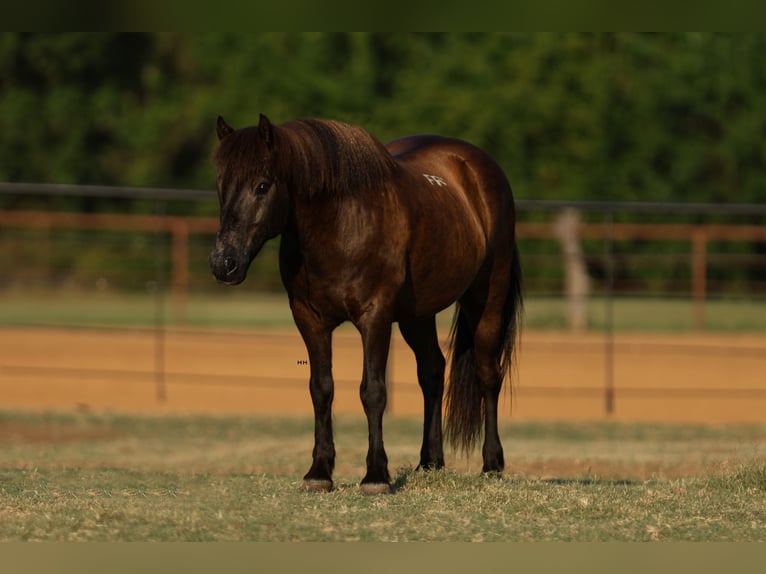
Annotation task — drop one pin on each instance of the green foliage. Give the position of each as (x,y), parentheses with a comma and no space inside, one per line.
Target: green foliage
(621,116)
(579,116)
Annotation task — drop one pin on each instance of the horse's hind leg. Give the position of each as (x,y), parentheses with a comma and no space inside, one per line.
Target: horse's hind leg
(487,348)
(484,304)
(422,338)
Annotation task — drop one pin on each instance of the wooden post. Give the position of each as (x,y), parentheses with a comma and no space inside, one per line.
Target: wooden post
(699,275)
(609,315)
(159,312)
(180,259)
(576,280)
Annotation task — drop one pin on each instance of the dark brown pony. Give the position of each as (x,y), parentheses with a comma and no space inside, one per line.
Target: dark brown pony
(376,235)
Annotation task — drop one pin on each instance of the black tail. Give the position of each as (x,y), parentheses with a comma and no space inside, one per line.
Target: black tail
(465,401)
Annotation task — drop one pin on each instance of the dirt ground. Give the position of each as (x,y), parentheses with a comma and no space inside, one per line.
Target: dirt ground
(560,376)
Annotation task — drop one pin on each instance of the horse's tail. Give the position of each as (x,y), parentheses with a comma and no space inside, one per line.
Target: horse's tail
(465,401)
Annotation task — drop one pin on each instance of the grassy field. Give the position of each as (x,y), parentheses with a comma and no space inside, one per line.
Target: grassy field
(229,308)
(84,476)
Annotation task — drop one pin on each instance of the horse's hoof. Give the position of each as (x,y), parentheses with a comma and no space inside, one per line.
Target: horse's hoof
(316,485)
(375,488)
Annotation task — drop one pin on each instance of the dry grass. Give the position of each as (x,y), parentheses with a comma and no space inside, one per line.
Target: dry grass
(118,478)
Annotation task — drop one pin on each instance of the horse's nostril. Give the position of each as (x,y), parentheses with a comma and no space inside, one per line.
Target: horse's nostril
(229,265)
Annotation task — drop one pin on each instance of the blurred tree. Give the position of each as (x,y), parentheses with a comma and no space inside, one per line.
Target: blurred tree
(60,95)
(580,116)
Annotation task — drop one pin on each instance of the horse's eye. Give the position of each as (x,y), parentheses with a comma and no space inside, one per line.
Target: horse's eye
(262,188)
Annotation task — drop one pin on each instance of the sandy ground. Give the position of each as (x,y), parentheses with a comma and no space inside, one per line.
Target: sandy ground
(560,376)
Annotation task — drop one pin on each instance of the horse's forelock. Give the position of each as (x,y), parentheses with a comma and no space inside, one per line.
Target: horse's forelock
(242,155)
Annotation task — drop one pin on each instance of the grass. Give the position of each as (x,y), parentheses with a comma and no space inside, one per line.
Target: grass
(78,308)
(172,478)
(228,308)
(651,314)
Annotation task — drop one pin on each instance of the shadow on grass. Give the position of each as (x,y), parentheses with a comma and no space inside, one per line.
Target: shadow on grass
(401,479)
(444,477)
(590,481)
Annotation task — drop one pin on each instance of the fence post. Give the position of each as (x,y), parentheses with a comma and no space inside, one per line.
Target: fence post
(699,275)
(609,316)
(180,264)
(159,310)
(566,229)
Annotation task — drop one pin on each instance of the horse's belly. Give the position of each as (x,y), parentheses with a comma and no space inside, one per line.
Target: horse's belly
(437,282)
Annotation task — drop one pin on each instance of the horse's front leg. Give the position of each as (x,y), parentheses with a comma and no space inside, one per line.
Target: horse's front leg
(376,339)
(318,340)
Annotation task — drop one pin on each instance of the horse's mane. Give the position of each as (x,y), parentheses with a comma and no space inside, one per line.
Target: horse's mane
(318,157)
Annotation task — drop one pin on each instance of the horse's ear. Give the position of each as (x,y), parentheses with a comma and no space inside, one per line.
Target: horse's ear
(223,128)
(266,129)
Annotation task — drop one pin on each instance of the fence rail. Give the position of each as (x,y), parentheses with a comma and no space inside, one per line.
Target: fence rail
(181,230)
(204,195)
(181,227)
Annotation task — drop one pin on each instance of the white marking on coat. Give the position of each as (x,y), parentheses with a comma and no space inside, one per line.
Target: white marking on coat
(435,180)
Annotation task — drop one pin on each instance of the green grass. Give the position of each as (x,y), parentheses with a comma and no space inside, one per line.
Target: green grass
(135,310)
(231,308)
(643,314)
(172,478)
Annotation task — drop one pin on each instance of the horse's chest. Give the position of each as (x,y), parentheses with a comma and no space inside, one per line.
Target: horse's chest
(342,283)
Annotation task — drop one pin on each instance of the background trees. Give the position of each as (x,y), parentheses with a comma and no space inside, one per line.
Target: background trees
(678,117)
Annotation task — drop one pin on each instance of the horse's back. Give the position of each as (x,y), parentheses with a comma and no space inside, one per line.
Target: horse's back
(452,166)
(460,210)
(420,153)
(419,148)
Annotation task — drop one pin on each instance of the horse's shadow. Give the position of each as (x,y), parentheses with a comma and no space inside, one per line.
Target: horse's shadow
(401,479)
(405,475)
(589,481)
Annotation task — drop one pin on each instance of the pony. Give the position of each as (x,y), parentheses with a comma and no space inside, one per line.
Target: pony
(377,235)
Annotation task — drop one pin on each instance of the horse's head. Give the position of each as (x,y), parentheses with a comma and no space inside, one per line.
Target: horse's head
(254,203)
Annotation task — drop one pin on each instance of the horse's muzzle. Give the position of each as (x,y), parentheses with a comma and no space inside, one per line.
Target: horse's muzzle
(228,266)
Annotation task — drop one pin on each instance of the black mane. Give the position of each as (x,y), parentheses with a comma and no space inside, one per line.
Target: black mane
(317,157)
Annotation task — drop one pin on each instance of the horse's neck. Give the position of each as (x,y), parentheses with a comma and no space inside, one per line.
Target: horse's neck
(312,218)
